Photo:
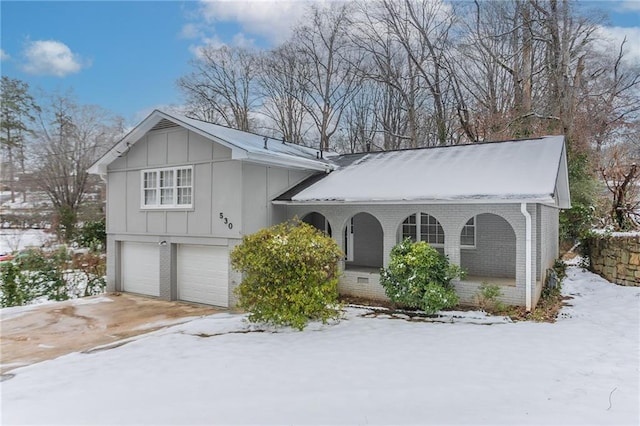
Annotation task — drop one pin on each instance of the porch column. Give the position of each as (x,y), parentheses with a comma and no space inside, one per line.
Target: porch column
(389,240)
(338,235)
(452,245)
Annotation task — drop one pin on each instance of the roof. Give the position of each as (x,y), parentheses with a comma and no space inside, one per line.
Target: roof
(243,145)
(528,170)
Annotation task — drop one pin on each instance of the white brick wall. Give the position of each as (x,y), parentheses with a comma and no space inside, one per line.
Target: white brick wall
(495,252)
(361,284)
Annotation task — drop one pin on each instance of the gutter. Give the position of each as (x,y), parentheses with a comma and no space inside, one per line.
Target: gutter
(527,259)
(547,201)
(287,160)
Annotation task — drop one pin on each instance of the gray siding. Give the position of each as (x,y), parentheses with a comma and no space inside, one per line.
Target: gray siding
(239,192)
(217,187)
(254,198)
(261,185)
(224,198)
(495,251)
(548,242)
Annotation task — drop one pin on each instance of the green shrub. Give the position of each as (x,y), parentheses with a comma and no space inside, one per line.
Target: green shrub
(34,274)
(44,273)
(92,267)
(92,235)
(290,275)
(560,268)
(11,289)
(420,277)
(487,297)
(437,297)
(584,187)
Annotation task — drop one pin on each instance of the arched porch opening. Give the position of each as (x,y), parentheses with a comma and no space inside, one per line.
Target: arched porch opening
(488,250)
(318,221)
(363,243)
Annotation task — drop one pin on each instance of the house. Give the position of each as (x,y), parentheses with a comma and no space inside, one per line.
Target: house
(181,193)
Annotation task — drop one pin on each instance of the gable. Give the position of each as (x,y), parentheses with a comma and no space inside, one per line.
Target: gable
(169,146)
(242,145)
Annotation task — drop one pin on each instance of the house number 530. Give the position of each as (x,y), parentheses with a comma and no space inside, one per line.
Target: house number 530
(226,220)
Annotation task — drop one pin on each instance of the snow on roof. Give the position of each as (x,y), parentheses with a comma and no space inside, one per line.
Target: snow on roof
(244,145)
(250,141)
(524,170)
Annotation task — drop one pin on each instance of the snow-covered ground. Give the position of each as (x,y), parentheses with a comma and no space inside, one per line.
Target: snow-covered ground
(17,239)
(584,369)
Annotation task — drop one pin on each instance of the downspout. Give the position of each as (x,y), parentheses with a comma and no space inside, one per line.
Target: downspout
(527,259)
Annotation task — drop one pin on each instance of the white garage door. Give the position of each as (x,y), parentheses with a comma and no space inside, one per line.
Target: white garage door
(140,265)
(203,275)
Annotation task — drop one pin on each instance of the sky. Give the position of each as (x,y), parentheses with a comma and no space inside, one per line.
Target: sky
(127,55)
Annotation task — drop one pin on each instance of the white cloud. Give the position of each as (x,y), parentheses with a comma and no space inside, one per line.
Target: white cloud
(610,39)
(4,55)
(191,30)
(213,42)
(630,5)
(241,40)
(272,19)
(51,57)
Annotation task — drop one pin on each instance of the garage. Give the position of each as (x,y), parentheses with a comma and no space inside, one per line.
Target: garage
(140,266)
(202,274)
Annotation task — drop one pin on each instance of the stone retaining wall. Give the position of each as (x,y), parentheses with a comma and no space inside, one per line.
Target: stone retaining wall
(615,258)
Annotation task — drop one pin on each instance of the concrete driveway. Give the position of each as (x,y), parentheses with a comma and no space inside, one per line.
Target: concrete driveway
(37,333)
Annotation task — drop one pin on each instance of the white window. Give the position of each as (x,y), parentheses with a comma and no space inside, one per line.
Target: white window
(468,234)
(409,228)
(430,229)
(167,188)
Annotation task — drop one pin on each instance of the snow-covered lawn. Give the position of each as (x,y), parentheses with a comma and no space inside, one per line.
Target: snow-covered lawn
(584,369)
(17,239)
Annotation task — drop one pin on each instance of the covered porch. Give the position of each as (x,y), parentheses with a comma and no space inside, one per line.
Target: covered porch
(486,240)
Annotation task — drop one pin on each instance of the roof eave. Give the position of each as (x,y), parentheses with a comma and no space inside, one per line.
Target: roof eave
(121,147)
(542,199)
(101,165)
(289,161)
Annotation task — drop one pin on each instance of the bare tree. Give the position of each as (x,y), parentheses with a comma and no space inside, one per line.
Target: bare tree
(423,30)
(283,73)
(360,119)
(390,72)
(332,82)
(221,88)
(611,98)
(621,175)
(498,69)
(69,139)
(566,37)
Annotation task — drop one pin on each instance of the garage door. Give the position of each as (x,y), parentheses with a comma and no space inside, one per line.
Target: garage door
(203,275)
(140,267)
